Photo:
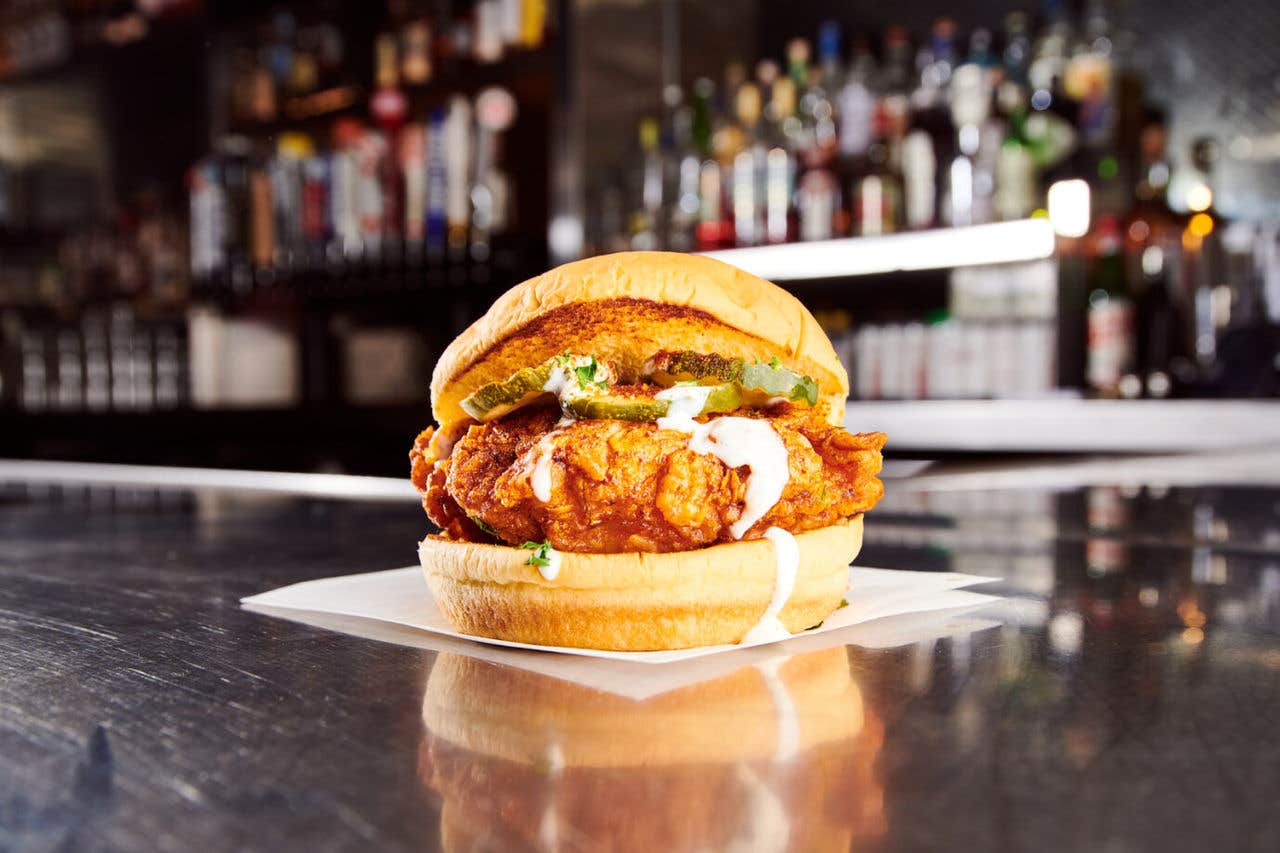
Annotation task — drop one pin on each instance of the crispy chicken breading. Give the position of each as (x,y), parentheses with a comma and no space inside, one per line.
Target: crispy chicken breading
(614,486)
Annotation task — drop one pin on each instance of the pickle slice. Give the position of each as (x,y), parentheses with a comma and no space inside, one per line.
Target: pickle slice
(623,404)
(760,382)
(580,375)
(667,368)
(492,401)
(777,381)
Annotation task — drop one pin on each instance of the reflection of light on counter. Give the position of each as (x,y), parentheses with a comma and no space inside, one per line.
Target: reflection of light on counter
(1193,636)
(788,721)
(920,671)
(1012,653)
(1066,631)
(768,828)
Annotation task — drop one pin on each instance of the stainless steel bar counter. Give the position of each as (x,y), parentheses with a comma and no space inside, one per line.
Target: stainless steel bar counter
(1123,695)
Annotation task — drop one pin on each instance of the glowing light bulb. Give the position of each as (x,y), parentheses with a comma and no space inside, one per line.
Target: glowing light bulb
(1201,225)
(1069,207)
(1199,197)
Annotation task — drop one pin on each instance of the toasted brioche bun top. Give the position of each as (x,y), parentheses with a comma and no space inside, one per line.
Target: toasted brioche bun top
(627,306)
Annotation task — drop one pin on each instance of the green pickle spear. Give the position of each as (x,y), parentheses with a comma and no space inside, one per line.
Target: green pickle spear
(582,375)
(492,401)
(757,379)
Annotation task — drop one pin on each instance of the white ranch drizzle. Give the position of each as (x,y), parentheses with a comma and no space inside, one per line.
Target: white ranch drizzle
(564,384)
(551,570)
(563,381)
(787,557)
(540,474)
(549,825)
(768,827)
(735,442)
(788,720)
(684,402)
(754,443)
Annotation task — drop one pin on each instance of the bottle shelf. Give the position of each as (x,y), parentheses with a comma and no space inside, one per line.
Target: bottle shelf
(527,71)
(939,248)
(1059,425)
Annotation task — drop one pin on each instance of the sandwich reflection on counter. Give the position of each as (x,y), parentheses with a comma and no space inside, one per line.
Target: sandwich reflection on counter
(778,755)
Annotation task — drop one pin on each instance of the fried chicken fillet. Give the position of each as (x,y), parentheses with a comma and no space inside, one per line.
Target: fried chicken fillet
(619,486)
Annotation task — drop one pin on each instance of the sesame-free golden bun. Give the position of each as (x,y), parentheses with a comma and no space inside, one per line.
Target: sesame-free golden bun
(636,601)
(624,308)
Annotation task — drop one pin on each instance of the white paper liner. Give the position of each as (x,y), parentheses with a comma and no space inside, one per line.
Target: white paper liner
(395,606)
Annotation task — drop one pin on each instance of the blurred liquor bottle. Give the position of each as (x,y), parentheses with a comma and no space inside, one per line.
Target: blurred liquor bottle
(877,203)
(817,195)
(877,191)
(781,128)
(856,107)
(491,194)
(931,100)
(750,169)
(1204,262)
(459,158)
(969,182)
(286,170)
(412,155)
(1159,331)
(1152,241)
(647,226)
(236,173)
(714,229)
(437,185)
(389,108)
(1109,316)
(1017,191)
(416,66)
(681,167)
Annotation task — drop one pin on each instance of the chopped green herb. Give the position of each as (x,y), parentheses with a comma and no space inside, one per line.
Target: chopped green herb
(815,627)
(586,375)
(807,390)
(822,498)
(775,362)
(844,602)
(541,555)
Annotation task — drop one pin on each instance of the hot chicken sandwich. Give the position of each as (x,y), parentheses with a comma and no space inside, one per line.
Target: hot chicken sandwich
(642,451)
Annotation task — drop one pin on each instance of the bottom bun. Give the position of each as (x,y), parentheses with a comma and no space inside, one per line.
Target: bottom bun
(636,601)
